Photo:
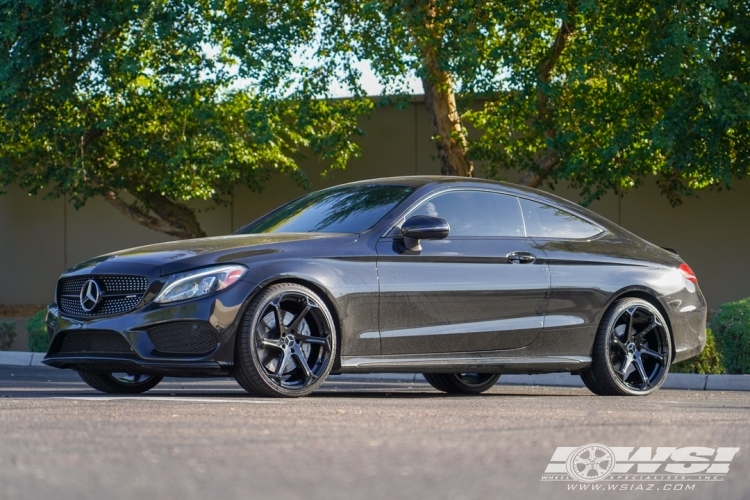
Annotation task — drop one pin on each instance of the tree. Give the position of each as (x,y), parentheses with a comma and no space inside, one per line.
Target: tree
(625,90)
(115,98)
(599,93)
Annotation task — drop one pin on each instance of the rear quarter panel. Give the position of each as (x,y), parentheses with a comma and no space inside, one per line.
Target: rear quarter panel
(588,276)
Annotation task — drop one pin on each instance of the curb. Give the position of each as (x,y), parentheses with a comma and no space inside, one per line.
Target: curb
(676,381)
(679,381)
(18,358)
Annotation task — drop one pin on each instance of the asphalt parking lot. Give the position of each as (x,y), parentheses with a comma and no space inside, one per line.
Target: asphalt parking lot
(356,438)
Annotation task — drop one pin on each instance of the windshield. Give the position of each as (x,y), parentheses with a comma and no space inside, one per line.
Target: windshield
(345,209)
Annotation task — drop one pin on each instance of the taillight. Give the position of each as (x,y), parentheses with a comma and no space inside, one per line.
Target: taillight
(688,273)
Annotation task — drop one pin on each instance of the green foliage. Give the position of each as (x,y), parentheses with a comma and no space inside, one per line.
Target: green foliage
(731,327)
(707,362)
(640,88)
(101,98)
(7,334)
(38,339)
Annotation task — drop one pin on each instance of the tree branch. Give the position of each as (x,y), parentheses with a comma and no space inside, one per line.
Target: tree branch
(544,163)
(179,216)
(90,136)
(178,220)
(548,159)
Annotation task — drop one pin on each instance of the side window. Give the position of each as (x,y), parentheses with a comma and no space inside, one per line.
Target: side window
(476,213)
(544,221)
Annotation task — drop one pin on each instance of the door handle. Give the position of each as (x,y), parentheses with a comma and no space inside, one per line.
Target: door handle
(521,258)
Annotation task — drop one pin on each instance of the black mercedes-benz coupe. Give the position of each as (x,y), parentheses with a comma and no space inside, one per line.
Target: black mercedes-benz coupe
(459,279)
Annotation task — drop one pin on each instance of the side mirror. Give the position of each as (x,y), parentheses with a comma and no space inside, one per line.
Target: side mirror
(423,227)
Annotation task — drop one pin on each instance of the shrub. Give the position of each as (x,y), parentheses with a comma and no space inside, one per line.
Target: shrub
(37,329)
(707,362)
(731,327)
(7,334)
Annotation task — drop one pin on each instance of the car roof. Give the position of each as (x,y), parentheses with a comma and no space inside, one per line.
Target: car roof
(424,180)
(448,180)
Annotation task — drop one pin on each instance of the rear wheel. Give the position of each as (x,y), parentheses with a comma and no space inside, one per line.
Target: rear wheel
(632,351)
(462,383)
(120,383)
(286,344)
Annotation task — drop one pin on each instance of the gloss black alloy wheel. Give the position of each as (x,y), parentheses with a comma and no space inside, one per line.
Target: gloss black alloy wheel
(286,344)
(462,383)
(120,383)
(632,351)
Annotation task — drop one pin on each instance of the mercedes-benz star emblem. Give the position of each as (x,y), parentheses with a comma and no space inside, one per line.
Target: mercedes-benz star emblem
(90,295)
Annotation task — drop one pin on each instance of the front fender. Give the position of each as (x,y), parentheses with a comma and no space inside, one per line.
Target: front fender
(350,288)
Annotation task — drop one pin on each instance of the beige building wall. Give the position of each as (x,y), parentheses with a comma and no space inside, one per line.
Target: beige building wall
(40,238)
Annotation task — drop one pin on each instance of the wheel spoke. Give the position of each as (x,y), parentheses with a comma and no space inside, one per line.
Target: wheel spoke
(626,366)
(322,341)
(299,357)
(282,363)
(642,373)
(270,343)
(648,352)
(616,341)
(645,330)
(278,316)
(294,325)
(629,331)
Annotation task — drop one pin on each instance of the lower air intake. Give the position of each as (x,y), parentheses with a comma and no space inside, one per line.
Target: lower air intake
(186,337)
(95,342)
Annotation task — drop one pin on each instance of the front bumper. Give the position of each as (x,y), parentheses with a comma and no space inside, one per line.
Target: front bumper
(222,311)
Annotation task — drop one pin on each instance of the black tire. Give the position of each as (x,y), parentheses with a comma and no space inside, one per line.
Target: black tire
(116,384)
(292,361)
(590,382)
(462,383)
(632,350)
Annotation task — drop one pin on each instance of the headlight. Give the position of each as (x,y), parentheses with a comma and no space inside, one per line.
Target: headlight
(200,282)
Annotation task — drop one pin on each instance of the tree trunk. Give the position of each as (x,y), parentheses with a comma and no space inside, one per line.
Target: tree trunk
(440,101)
(446,124)
(174,219)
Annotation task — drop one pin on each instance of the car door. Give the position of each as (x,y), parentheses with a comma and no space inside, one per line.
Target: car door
(483,288)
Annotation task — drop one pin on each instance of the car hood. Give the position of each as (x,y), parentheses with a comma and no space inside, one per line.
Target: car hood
(177,256)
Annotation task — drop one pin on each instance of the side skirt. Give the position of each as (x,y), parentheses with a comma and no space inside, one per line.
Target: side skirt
(466,362)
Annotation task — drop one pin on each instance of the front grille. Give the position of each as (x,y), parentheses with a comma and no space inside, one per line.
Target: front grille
(120,294)
(184,337)
(95,342)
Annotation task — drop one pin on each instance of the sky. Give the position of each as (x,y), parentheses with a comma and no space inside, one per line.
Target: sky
(371,85)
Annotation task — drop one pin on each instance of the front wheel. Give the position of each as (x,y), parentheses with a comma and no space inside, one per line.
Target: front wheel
(120,383)
(462,383)
(632,350)
(286,344)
